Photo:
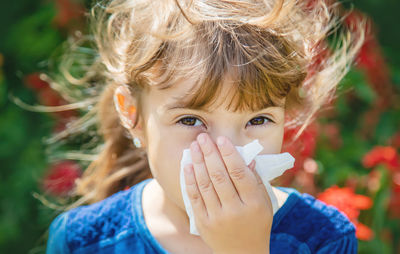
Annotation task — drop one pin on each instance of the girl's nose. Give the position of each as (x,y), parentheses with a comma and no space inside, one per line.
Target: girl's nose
(233,137)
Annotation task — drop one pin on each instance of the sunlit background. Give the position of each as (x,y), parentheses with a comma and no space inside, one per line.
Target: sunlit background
(349,158)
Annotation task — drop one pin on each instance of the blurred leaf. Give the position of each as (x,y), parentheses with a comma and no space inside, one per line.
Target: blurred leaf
(388,125)
(33,38)
(14,130)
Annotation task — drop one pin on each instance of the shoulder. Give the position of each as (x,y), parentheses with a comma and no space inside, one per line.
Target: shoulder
(107,220)
(316,225)
(99,221)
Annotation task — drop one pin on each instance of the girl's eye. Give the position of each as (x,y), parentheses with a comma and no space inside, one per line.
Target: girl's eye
(190,122)
(260,120)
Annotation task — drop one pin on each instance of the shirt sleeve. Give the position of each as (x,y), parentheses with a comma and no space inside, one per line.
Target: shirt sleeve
(56,242)
(347,244)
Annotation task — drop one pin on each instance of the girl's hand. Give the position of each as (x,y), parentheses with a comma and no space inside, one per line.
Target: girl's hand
(232,209)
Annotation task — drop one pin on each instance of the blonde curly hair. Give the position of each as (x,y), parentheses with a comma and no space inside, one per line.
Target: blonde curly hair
(272,46)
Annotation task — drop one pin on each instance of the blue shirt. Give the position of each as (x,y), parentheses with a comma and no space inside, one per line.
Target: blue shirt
(116,225)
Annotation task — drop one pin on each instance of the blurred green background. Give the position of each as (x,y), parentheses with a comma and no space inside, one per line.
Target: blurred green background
(349,158)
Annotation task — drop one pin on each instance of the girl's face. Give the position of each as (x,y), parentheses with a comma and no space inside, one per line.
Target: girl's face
(168,131)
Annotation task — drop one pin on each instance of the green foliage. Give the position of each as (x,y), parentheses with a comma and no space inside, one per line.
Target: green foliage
(33,38)
(25,41)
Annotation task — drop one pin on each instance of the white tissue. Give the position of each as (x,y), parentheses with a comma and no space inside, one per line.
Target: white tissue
(268,166)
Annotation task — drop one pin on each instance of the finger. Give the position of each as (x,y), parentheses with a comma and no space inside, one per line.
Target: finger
(242,177)
(193,192)
(218,173)
(252,167)
(204,183)
(261,185)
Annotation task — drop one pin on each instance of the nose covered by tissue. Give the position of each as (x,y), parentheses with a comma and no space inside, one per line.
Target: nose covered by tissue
(268,166)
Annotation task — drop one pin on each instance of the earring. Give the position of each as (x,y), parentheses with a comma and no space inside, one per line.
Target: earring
(136,142)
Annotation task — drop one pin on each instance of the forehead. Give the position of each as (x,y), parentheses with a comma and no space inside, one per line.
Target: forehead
(179,94)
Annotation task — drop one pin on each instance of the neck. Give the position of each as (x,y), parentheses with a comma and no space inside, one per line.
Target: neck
(160,205)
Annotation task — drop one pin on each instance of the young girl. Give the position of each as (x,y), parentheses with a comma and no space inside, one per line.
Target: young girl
(206,75)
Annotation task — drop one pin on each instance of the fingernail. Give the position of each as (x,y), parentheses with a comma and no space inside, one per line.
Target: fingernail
(188,169)
(202,139)
(195,147)
(221,141)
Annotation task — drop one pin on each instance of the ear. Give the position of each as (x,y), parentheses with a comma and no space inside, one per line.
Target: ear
(126,106)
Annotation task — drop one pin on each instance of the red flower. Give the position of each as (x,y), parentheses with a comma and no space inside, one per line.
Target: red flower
(371,60)
(48,96)
(386,155)
(34,81)
(321,53)
(61,177)
(68,10)
(303,147)
(312,4)
(363,232)
(396,183)
(354,19)
(394,201)
(345,200)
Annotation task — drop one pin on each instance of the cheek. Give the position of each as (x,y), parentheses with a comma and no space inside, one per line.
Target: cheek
(164,155)
(272,141)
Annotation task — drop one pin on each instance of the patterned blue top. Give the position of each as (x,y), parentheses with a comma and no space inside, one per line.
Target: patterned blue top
(116,225)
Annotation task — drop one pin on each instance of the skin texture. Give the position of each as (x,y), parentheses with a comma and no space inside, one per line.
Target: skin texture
(231,200)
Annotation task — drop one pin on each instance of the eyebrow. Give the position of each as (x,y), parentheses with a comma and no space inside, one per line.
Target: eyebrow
(179,105)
